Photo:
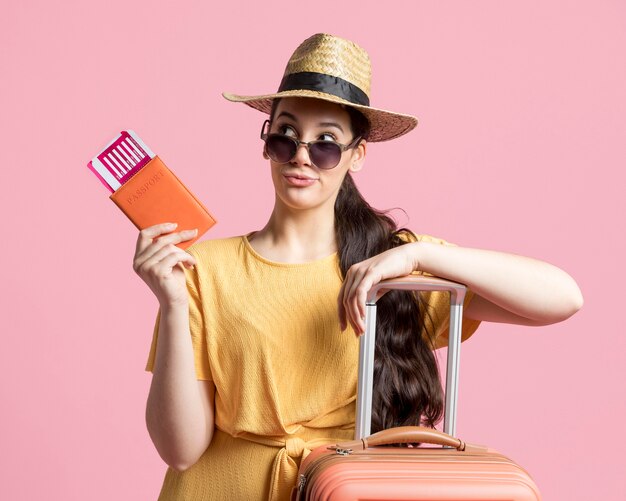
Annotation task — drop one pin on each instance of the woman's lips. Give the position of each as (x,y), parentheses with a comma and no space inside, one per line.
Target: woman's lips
(296,180)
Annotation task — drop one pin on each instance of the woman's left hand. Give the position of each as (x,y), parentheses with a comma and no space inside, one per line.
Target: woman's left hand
(361,277)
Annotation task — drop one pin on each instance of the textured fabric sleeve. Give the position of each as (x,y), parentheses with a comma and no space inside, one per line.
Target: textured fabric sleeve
(197,326)
(437,314)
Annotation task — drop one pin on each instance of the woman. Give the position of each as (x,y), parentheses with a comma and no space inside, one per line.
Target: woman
(251,369)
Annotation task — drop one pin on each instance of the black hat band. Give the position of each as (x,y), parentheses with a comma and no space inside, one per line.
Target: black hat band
(309,80)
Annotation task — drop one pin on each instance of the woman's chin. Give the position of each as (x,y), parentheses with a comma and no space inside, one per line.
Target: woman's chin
(299,199)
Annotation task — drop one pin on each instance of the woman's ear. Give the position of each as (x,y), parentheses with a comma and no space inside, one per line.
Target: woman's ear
(358,156)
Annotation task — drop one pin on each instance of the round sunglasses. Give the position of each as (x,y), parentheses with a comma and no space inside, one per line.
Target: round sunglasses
(323,154)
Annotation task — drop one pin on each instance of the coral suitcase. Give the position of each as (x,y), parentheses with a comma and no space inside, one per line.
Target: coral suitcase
(365,469)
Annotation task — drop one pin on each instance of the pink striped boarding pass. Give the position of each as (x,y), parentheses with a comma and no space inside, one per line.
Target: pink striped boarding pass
(120,160)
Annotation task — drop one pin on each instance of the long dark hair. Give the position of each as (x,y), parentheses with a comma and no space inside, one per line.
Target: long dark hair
(407,388)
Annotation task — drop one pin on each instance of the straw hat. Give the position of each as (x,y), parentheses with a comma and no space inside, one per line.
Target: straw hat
(336,70)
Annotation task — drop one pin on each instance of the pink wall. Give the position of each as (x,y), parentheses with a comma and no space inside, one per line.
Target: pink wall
(520,148)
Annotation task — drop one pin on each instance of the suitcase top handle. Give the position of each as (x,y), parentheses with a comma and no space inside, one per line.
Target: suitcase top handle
(417,282)
(408,434)
(367,346)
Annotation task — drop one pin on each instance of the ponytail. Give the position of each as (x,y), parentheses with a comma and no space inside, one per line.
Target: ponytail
(407,390)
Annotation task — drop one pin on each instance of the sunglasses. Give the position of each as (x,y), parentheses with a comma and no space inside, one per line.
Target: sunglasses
(323,154)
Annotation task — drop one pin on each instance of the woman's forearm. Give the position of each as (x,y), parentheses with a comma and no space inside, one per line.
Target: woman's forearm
(524,286)
(175,415)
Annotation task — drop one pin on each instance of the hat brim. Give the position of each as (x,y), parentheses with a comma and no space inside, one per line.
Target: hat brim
(385,125)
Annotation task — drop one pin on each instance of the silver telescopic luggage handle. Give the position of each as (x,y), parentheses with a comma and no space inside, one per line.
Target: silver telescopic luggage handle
(368,344)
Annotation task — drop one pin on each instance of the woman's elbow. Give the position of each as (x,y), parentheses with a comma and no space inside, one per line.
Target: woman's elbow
(180,456)
(568,303)
(572,304)
(181,465)
(577,300)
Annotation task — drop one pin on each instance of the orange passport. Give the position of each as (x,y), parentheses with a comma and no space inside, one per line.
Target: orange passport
(155,195)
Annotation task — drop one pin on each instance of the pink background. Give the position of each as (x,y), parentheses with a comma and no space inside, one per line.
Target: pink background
(520,148)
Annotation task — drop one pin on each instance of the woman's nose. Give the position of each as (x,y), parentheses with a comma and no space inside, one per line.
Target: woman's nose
(302,155)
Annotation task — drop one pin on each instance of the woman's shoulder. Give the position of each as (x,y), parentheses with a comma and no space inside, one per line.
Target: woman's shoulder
(216,248)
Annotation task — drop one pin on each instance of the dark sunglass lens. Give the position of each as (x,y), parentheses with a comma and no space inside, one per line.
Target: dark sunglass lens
(280,148)
(325,155)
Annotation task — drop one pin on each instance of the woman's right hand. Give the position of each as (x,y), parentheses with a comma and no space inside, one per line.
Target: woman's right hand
(157,261)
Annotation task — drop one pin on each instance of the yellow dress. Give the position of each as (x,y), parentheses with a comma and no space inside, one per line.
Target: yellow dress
(267,334)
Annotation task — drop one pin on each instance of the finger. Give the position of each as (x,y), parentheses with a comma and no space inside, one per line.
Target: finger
(174,238)
(146,262)
(356,307)
(165,266)
(161,239)
(160,242)
(350,293)
(369,278)
(345,296)
(146,235)
(361,297)
(184,257)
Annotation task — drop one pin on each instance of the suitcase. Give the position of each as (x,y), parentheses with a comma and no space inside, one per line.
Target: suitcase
(365,469)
